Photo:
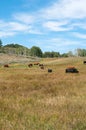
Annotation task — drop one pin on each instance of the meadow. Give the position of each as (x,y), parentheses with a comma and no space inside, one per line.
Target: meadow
(33,99)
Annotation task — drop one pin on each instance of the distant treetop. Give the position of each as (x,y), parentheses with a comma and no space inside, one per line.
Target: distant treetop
(13,45)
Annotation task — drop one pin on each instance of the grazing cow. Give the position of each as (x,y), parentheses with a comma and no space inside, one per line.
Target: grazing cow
(84,62)
(30,65)
(36,63)
(71,70)
(42,67)
(49,70)
(6,65)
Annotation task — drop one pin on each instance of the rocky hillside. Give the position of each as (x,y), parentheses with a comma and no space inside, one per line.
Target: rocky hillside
(13,58)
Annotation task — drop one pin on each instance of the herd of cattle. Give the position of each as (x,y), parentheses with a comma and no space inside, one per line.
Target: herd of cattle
(31,65)
(67,70)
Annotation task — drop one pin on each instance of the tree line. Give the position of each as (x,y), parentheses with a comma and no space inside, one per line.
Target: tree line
(37,52)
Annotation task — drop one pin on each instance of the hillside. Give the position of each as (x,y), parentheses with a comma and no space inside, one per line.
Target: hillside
(15,49)
(12,58)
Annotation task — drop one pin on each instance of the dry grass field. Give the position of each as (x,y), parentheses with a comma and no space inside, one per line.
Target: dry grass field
(33,99)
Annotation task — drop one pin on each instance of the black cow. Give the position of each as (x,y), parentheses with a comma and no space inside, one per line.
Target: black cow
(49,70)
(71,70)
(84,62)
(41,65)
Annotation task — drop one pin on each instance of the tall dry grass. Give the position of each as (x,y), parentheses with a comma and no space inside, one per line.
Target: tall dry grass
(33,99)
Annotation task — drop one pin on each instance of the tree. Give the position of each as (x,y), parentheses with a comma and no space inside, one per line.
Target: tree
(0,43)
(78,51)
(84,52)
(81,52)
(36,51)
(70,53)
(51,54)
(64,55)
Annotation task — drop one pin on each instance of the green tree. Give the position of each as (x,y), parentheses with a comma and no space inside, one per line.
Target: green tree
(51,54)
(70,54)
(46,54)
(36,51)
(0,43)
(81,52)
(84,52)
(64,55)
(16,49)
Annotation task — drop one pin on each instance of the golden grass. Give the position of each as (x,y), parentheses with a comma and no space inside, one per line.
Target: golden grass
(33,99)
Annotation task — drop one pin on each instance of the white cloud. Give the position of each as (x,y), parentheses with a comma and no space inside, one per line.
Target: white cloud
(24,18)
(61,16)
(4,29)
(15,26)
(3,24)
(6,34)
(79,35)
(35,31)
(55,43)
(79,25)
(57,26)
(72,9)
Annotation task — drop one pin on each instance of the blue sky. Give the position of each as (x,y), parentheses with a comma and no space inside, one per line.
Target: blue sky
(52,25)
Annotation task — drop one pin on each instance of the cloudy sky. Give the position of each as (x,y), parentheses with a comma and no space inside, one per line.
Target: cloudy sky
(52,25)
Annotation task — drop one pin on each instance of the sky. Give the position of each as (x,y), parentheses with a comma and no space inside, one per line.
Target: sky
(52,25)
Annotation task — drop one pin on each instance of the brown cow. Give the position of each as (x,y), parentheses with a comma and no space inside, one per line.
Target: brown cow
(42,67)
(6,65)
(30,65)
(37,63)
(71,67)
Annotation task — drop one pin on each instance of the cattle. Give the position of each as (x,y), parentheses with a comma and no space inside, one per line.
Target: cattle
(49,70)
(71,70)
(84,62)
(6,65)
(37,63)
(30,65)
(42,67)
